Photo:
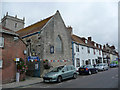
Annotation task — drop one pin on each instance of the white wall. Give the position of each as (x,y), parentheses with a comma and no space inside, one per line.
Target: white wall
(84,55)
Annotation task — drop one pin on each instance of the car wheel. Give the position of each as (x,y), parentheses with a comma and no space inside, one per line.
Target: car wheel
(89,72)
(96,71)
(59,80)
(103,69)
(74,75)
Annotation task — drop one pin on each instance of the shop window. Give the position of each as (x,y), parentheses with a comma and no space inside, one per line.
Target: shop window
(1,42)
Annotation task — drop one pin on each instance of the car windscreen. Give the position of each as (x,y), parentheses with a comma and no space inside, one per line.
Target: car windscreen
(57,69)
(85,66)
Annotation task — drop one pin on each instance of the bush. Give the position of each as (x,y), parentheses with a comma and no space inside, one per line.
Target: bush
(21,66)
(46,64)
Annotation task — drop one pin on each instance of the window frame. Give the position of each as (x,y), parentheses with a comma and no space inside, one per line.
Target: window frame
(2,43)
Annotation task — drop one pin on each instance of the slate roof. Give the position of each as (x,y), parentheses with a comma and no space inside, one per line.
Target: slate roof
(34,27)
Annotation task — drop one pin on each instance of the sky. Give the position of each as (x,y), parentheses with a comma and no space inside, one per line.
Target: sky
(98,19)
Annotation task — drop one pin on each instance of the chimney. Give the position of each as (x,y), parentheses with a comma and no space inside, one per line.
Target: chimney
(93,43)
(83,39)
(69,28)
(89,38)
(100,46)
(97,45)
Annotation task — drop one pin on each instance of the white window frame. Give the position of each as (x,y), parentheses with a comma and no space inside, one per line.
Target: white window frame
(1,43)
(1,63)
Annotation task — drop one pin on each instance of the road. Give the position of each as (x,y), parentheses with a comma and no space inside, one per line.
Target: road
(104,79)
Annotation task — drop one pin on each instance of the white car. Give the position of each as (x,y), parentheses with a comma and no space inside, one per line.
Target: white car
(102,66)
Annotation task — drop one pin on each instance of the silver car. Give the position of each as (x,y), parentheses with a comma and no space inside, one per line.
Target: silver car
(60,73)
(102,66)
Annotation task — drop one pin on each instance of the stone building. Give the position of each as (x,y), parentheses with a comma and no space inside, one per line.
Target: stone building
(49,39)
(12,23)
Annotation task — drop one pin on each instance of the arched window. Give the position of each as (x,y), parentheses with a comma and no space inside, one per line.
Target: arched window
(59,46)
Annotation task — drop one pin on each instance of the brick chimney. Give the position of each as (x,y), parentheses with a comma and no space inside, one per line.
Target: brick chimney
(69,28)
(83,39)
(93,43)
(89,38)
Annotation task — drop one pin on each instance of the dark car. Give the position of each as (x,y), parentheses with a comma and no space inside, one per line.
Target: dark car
(87,69)
(114,64)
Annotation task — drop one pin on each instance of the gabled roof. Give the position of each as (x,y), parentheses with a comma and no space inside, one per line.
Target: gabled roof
(34,27)
(7,31)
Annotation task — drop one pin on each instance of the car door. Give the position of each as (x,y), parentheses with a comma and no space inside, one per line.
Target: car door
(70,71)
(65,72)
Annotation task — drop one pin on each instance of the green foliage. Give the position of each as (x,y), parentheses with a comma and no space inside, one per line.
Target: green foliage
(21,66)
(46,64)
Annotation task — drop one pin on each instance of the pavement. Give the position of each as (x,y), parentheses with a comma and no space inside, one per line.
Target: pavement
(28,81)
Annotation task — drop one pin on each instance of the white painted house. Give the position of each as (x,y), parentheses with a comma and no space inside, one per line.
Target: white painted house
(85,52)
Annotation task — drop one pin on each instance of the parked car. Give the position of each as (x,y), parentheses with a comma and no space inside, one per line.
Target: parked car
(87,69)
(60,73)
(113,64)
(102,66)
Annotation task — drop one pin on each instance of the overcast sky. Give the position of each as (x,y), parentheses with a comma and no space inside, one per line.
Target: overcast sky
(96,19)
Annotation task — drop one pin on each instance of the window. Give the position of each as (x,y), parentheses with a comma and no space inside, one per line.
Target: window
(89,61)
(77,48)
(77,62)
(88,50)
(83,62)
(1,42)
(15,25)
(1,63)
(94,51)
(93,62)
(99,52)
(85,41)
(59,45)
(82,48)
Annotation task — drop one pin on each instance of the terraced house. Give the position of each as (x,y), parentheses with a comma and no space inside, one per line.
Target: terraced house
(85,51)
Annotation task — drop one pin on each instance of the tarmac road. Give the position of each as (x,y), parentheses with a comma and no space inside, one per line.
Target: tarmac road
(104,79)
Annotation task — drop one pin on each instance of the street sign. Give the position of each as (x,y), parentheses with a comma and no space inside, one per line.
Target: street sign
(33,58)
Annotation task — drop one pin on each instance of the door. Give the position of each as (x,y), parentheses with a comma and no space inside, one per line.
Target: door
(37,69)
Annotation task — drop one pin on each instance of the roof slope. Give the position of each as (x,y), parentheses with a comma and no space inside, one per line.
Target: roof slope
(34,27)
(77,39)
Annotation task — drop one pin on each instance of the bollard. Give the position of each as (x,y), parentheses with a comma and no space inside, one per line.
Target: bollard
(17,76)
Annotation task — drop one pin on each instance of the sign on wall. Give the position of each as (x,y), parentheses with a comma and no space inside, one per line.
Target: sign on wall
(52,49)
(33,58)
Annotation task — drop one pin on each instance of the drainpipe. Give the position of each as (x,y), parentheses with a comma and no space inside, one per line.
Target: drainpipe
(72,52)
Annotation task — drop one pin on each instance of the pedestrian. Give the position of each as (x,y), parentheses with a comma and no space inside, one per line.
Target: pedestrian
(94,65)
